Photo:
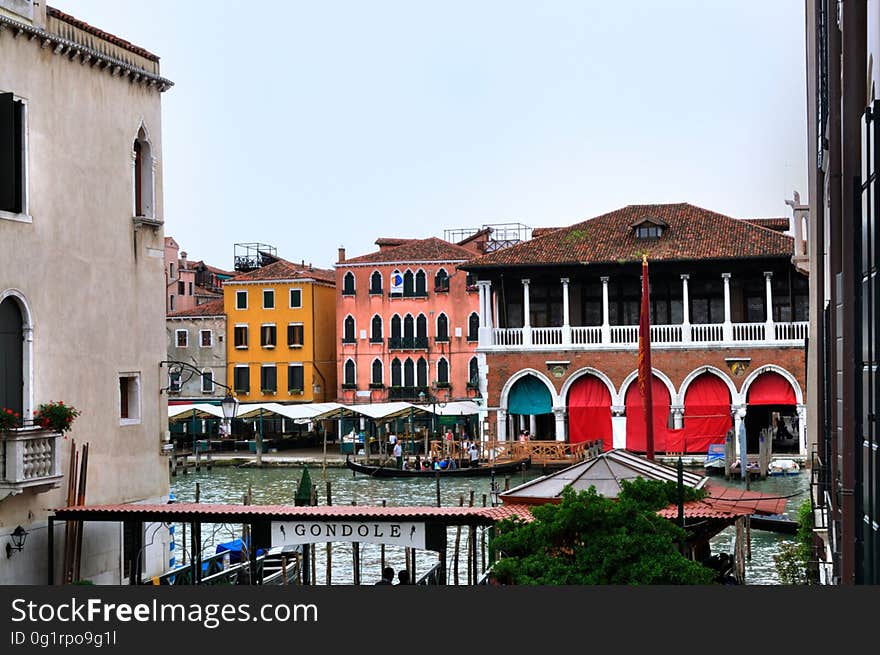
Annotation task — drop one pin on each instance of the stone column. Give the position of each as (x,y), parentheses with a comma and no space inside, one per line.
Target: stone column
(566,322)
(533,425)
(769,329)
(501,417)
(677,416)
(739,417)
(802,429)
(618,426)
(484,333)
(685,309)
(527,325)
(606,326)
(559,415)
(727,328)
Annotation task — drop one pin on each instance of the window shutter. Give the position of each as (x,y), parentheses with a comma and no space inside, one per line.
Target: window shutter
(9,179)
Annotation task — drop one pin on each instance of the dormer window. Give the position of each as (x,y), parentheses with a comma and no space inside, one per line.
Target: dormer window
(649,228)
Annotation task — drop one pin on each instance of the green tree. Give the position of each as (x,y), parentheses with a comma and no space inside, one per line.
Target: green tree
(795,564)
(588,539)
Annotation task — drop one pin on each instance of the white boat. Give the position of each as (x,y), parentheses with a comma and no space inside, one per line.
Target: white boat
(783,467)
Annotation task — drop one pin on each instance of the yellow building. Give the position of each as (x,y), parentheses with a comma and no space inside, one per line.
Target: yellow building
(281,333)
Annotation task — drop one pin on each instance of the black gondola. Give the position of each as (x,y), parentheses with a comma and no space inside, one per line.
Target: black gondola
(463,472)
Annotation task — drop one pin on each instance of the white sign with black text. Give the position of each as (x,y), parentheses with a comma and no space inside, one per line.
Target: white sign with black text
(391,533)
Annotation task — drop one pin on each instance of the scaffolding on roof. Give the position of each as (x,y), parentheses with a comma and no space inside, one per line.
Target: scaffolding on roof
(501,235)
(251,256)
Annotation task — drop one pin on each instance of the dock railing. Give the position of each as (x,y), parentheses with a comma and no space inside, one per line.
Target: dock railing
(540,452)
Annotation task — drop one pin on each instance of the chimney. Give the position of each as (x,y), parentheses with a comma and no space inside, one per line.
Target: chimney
(341,254)
(183,259)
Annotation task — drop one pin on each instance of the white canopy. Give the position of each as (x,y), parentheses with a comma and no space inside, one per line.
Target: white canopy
(203,410)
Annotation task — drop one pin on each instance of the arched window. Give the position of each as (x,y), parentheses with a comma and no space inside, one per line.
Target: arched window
(441,281)
(376,377)
(144,206)
(376,282)
(408,285)
(409,374)
(348,330)
(473,373)
(396,340)
(421,332)
(421,284)
(348,284)
(11,357)
(395,372)
(350,374)
(376,329)
(442,372)
(422,372)
(408,332)
(473,327)
(442,328)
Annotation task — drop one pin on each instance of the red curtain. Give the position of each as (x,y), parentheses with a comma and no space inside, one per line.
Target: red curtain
(771,389)
(636,437)
(706,413)
(589,412)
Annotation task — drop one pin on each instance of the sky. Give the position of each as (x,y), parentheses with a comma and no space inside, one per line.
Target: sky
(311,126)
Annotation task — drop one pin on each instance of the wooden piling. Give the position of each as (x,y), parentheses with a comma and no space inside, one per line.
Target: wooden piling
(328,574)
(208,459)
(382,550)
(437,485)
(173,460)
(198,455)
(80,501)
(457,545)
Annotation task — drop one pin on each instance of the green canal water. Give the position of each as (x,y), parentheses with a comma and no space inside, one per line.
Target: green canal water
(278,486)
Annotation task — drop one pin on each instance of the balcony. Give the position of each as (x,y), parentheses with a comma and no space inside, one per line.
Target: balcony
(408,343)
(30,458)
(626,337)
(407,393)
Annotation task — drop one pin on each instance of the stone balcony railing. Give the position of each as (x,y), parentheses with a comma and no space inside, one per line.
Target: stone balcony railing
(30,458)
(617,337)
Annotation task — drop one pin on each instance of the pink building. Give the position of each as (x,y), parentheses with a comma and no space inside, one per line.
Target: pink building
(180,279)
(407,322)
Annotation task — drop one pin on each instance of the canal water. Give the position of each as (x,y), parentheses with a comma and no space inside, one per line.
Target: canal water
(279,485)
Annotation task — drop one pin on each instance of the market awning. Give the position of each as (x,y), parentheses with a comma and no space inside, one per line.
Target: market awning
(771,389)
(202,410)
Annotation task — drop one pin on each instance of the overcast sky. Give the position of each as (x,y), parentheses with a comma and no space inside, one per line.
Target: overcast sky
(313,125)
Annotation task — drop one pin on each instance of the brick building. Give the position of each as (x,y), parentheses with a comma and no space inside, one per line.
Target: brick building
(559,330)
(407,321)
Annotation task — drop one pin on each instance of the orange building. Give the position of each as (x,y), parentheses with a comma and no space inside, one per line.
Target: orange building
(281,345)
(407,322)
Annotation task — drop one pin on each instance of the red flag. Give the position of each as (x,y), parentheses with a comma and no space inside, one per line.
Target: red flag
(645,382)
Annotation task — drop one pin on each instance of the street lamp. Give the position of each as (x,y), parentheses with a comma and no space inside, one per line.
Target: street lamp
(229,405)
(18,536)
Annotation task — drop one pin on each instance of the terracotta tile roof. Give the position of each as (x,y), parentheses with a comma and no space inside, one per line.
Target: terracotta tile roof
(775,224)
(416,250)
(541,231)
(285,270)
(204,291)
(349,512)
(212,308)
(693,233)
(101,34)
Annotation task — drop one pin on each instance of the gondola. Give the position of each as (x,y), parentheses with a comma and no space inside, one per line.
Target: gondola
(464,472)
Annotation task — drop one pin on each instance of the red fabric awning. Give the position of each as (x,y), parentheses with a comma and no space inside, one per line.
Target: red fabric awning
(589,412)
(706,414)
(636,437)
(771,389)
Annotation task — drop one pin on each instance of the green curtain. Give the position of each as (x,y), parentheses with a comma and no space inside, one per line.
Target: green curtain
(529,396)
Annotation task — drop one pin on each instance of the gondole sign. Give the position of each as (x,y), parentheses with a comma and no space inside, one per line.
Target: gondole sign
(397,533)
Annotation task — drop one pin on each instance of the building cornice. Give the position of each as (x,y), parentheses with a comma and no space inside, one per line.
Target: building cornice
(285,281)
(94,58)
(402,264)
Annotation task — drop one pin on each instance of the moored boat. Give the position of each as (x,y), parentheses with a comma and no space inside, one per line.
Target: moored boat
(498,468)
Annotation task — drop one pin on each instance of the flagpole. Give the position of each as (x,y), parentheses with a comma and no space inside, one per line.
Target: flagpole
(645,368)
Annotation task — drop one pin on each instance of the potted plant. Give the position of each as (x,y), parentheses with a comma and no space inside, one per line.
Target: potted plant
(9,420)
(55,416)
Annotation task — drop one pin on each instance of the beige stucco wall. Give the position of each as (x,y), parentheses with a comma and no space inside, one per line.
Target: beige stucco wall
(94,284)
(213,358)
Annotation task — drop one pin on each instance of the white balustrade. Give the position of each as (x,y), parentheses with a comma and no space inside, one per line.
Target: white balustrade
(624,334)
(31,457)
(666,334)
(547,336)
(792,331)
(582,336)
(749,331)
(707,332)
(662,336)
